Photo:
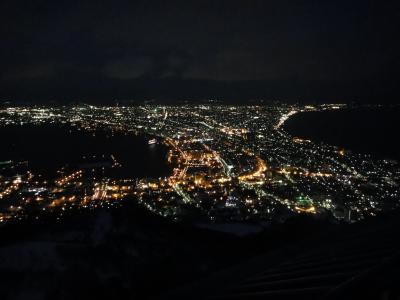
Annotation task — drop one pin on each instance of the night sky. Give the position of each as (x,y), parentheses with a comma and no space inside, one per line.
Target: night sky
(234,50)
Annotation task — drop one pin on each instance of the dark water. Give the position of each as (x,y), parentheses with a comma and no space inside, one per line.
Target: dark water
(47,148)
(374,131)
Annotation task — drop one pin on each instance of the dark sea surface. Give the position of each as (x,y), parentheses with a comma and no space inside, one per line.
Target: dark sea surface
(374,131)
(49,147)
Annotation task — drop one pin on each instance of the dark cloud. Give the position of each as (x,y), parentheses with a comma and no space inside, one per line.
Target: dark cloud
(35,71)
(130,68)
(348,47)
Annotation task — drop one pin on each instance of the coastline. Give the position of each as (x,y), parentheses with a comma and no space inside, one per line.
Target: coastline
(364,130)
